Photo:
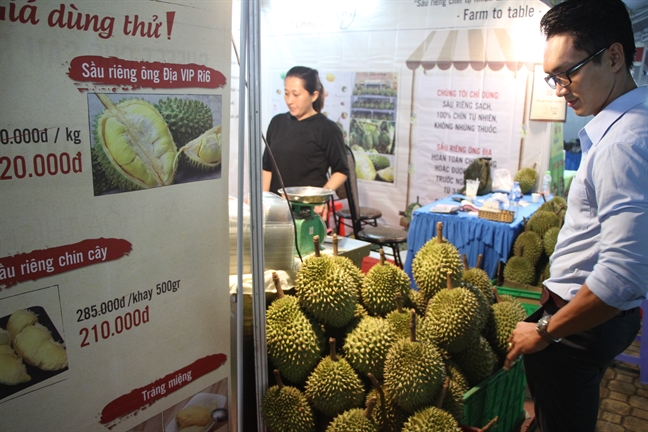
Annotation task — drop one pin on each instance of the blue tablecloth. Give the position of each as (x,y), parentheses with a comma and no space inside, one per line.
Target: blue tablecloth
(468,233)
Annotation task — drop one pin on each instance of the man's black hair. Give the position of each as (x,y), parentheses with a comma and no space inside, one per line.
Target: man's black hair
(594,24)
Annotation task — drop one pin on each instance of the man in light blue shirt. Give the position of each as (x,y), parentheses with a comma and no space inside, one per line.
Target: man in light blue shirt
(599,270)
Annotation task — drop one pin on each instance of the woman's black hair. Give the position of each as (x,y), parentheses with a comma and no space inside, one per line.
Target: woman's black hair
(312,83)
(594,24)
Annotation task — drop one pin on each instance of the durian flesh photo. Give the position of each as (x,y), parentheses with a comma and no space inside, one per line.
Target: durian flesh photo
(144,141)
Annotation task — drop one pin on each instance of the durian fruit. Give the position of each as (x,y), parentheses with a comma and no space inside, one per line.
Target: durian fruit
(340,333)
(550,239)
(399,319)
(414,371)
(187,119)
(388,416)
(519,269)
(541,221)
(285,408)
(325,291)
(357,277)
(453,402)
(477,361)
(506,315)
(483,304)
(366,346)
(416,300)
(386,174)
(527,178)
(381,285)
(138,148)
(205,151)
(432,419)
(529,245)
(193,417)
(433,262)
(334,387)
(19,320)
(379,161)
(294,342)
(355,420)
(478,278)
(364,167)
(37,348)
(452,320)
(557,205)
(12,369)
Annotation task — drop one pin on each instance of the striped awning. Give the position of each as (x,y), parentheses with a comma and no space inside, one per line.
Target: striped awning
(476,48)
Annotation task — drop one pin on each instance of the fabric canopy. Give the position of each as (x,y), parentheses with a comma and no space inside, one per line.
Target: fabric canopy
(476,48)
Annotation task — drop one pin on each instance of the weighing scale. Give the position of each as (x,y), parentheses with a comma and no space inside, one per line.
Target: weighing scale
(303,200)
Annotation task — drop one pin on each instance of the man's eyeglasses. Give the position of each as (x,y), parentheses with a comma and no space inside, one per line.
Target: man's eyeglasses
(564,78)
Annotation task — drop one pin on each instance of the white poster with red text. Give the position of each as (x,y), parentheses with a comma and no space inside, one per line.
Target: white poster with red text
(114,309)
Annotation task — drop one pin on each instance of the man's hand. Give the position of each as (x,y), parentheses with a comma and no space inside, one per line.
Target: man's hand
(524,340)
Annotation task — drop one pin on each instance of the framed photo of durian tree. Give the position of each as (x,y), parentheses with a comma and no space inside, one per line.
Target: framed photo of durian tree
(114,294)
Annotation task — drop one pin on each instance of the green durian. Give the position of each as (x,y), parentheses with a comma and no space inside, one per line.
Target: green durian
(386,174)
(294,342)
(388,416)
(433,262)
(366,346)
(529,245)
(355,420)
(325,291)
(519,269)
(334,386)
(453,402)
(478,278)
(364,167)
(550,239)
(381,285)
(527,178)
(416,300)
(187,118)
(414,371)
(506,315)
(399,319)
(431,419)
(379,161)
(285,408)
(541,221)
(477,361)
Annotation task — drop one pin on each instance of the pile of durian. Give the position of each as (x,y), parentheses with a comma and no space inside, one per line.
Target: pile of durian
(532,249)
(354,352)
(138,145)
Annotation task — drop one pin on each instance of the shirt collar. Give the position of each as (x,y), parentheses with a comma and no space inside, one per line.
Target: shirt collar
(594,131)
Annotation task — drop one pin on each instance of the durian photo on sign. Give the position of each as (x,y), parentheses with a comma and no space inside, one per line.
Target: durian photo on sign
(144,141)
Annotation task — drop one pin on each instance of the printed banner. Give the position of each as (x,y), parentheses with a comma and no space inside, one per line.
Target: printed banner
(114,300)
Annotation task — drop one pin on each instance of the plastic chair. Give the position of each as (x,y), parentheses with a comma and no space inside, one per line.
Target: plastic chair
(382,235)
(642,359)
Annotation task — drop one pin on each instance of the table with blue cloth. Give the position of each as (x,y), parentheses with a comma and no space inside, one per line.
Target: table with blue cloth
(470,234)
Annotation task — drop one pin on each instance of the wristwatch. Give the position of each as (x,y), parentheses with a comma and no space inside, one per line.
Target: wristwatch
(541,328)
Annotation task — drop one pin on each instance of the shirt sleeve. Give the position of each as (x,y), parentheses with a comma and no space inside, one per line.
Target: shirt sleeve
(620,181)
(335,151)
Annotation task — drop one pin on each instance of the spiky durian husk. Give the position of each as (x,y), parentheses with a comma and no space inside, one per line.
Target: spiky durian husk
(325,291)
(388,416)
(477,361)
(452,320)
(431,419)
(187,119)
(479,278)
(431,265)
(340,333)
(205,152)
(380,287)
(550,239)
(414,374)
(346,265)
(286,409)
(506,315)
(483,304)
(352,420)
(137,144)
(367,345)
(334,387)
(527,178)
(417,301)
(454,402)
(294,342)
(519,269)
(399,323)
(529,245)
(541,221)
